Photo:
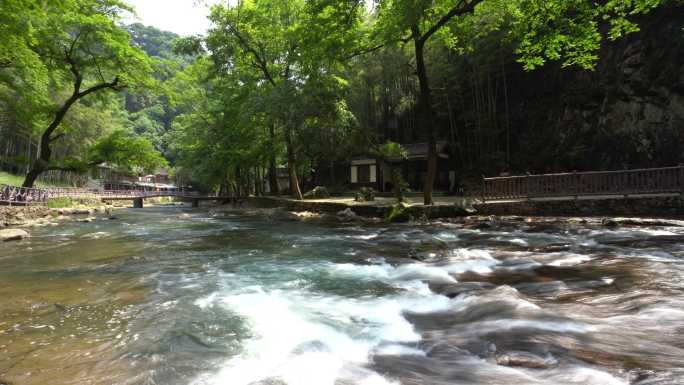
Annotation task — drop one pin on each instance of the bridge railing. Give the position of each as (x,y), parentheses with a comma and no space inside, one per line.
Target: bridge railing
(143,194)
(70,192)
(576,184)
(22,196)
(14,195)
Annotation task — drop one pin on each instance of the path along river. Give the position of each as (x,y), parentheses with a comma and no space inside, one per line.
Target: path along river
(154,298)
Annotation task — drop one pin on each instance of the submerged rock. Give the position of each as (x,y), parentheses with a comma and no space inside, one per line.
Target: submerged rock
(347,215)
(13,235)
(454,290)
(524,360)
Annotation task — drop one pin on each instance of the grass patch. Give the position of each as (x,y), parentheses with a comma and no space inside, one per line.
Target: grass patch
(17,180)
(60,203)
(10,179)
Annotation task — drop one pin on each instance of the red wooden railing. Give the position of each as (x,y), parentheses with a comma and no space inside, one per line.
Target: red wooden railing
(576,184)
(13,195)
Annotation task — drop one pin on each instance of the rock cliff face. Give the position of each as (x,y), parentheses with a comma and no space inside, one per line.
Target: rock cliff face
(629,112)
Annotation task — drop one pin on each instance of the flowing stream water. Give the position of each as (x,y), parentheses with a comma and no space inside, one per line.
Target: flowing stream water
(242,299)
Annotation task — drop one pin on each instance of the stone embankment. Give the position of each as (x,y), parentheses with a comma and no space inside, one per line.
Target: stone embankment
(361,210)
(654,206)
(14,220)
(667,207)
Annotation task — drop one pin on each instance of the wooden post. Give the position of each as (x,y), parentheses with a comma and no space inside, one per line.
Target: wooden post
(484,196)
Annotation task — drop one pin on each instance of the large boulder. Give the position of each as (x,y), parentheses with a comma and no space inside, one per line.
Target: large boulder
(13,235)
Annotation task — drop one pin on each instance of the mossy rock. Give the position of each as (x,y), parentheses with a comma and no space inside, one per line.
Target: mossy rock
(319,192)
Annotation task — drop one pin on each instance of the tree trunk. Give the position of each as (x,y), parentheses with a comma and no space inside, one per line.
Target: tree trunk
(295,191)
(425,111)
(272,169)
(238,182)
(44,151)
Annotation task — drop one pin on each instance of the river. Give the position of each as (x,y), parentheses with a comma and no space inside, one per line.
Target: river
(157,298)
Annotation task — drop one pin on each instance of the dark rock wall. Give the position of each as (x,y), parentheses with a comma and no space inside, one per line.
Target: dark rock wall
(627,113)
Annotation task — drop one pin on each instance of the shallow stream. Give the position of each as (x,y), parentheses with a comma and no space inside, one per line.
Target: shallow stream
(158,298)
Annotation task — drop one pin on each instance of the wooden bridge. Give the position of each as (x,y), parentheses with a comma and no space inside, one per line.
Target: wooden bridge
(586,185)
(22,196)
(575,185)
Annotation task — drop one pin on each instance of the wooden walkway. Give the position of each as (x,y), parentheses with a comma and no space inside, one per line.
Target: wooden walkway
(22,196)
(585,185)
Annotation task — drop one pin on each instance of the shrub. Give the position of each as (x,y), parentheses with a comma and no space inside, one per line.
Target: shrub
(319,192)
(365,194)
(59,203)
(397,213)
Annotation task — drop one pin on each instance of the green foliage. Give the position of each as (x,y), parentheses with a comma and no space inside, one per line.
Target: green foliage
(127,152)
(569,31)
(365,194)
(392,151)
(397,214)
(60,203)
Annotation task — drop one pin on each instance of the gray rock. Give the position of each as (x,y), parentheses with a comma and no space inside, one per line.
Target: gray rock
(524,360)
(453,290)
(13,235)
(347,215)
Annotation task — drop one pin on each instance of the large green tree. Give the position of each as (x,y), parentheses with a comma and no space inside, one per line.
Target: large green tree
(79,49)
(288,45)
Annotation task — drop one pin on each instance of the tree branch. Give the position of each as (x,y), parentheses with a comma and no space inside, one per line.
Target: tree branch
(114,85)
(463,7)
(259,60)
(365,51)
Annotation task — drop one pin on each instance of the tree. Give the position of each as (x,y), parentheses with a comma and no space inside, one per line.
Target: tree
(567,31)
(127,152)
(83,52)
(286,44)
(417,21)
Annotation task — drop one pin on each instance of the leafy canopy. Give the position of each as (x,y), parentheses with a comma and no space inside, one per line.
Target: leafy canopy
(127,152)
